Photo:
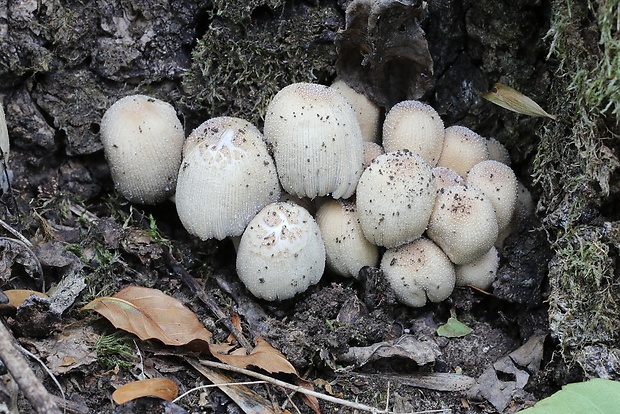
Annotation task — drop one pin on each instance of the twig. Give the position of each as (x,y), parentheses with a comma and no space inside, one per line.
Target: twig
(299,388)
(197,290)
(15,233)
(28,382)
(228,384)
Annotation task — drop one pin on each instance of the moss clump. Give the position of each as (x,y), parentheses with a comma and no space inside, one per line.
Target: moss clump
(575,164)
(238,65)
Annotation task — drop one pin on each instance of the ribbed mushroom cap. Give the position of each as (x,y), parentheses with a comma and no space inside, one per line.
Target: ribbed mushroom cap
(414,126)
(498,151)
(226,177)
(395,198)
(345,245)
(142,139)
(498,183)
(462,149)
(445,177)
(371,151)
(463,223)
(366,110)
(417,271)
(316,139)
(281,252)
(480,273)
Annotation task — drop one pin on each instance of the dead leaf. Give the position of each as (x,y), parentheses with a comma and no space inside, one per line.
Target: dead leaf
(406,346)
(15,251)
(155,387)
(515,101)
(151,314)
(18,296)
(264,356)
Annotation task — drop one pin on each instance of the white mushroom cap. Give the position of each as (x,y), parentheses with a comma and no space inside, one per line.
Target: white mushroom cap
(346,247)
(142,139)
(395,198)
(367,111)
(462,149)
(498,183)
(445,177)
(371,151)
(226,177)
(417,271)
(281,252)
(480,273)
(317,141)
(463,223)
(498,151)
(414,126)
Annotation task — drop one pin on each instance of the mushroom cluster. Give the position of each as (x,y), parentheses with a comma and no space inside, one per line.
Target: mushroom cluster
(327,184)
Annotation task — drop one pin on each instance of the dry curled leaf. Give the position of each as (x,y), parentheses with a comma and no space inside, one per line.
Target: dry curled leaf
(151,314)
(515,101)
(155,387)
(18,296)
(264,356)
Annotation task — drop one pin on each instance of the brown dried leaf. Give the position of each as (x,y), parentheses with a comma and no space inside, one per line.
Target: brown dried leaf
(155,387)
(515,101)
(151,314)
(264,356)
(18,296)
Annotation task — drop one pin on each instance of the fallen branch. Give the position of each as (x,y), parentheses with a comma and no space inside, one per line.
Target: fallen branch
(28,383)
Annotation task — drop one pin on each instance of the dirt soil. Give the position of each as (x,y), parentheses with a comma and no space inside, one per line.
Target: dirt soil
(349,338)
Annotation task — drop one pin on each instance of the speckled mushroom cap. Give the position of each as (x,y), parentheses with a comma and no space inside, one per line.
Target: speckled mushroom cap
(498,183)
(445,177)
(463,223)
(480,273)
(281,252)
(367,111)
(346,247)
(142,139)
(395,198)
(371,151)
(498,151)
(317,141)
(226,177)
(415,126)
(462,149)
(417,271)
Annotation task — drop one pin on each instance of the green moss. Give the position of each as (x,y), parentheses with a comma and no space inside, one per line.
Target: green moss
(574,164)
(238,65)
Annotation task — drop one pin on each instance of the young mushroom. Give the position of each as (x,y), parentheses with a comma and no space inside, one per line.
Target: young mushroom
(414,126)
(281,252)
(480,273)
(395,198)
(346,247)
(316,139)
(462,149)
(463,223)
(226,177)
(418,271)
(368,112)
(142,140)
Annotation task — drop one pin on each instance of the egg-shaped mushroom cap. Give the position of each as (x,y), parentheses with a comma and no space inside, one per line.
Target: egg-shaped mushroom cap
(395,198)
(480,273)
(281,252)
(462,149)
(415,126)
(226,177)
(346,247)
(498,183)
(142,140)
(445,177)
(463,223)
(498,151)
(317,141)
(367,111)
(417,271)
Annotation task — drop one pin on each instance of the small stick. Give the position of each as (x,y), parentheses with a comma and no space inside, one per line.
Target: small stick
(29,384)
(299,388)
